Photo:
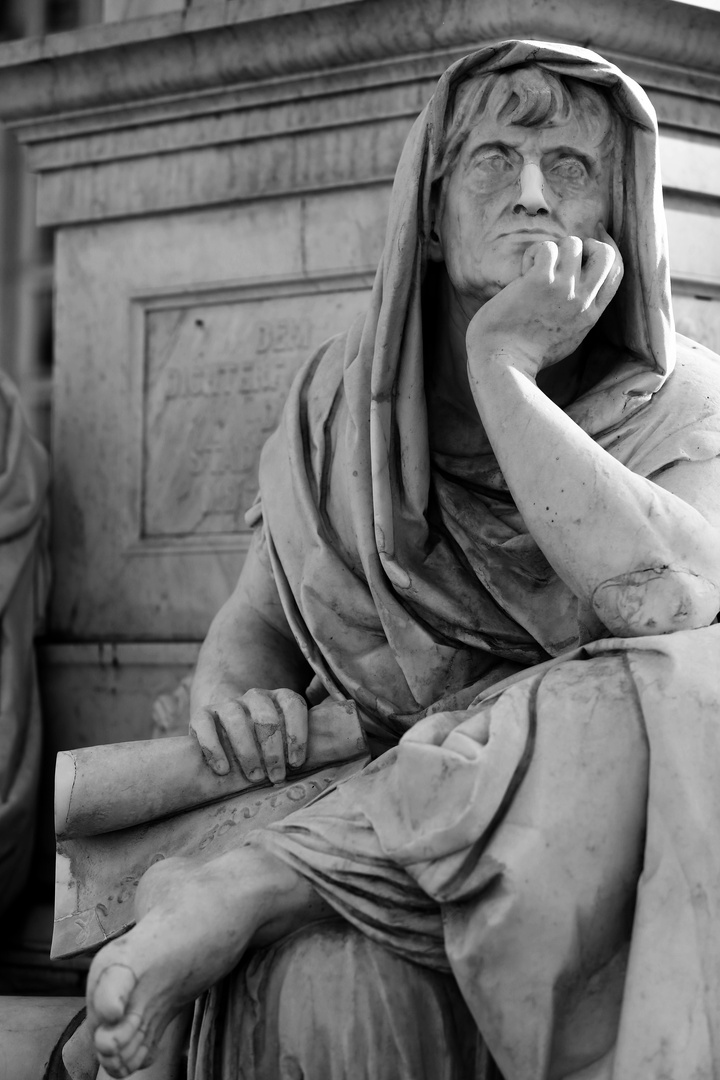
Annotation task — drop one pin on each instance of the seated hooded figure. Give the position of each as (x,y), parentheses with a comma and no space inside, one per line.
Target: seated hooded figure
(491,517)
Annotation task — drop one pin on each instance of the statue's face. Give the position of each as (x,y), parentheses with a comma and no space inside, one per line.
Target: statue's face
(512,187)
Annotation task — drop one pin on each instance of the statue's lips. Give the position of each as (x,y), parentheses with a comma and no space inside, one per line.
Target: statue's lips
(532,236)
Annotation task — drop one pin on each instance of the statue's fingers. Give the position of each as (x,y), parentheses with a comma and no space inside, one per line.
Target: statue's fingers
(599,255)
(605,238)
(570,256)
(528,259)
(602,263)
(568,268)
(293,708)
(611,284)
(203,727)
(237,723)
(267,724)
(541,259)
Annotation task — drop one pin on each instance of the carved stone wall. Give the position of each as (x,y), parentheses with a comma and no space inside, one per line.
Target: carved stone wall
(205,320)
(218,179)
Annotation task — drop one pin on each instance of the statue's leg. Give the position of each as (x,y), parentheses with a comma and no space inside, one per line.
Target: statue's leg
(195,921)
(541,953)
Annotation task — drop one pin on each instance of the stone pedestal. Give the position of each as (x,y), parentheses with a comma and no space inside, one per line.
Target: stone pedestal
(30,1028)
(218,180)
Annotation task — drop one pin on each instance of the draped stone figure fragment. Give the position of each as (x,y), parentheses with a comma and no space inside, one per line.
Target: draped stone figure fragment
(24,580)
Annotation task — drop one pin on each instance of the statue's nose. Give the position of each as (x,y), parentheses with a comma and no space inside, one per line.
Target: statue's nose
(532,196)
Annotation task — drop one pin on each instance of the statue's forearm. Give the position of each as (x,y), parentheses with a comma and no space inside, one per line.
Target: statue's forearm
(242,652)
(249,644)
(647,560)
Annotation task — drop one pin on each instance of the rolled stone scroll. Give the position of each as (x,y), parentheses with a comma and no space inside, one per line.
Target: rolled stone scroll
(120,808)
(103,788)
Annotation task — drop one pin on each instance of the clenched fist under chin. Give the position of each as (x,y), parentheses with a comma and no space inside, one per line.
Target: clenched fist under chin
(546,313)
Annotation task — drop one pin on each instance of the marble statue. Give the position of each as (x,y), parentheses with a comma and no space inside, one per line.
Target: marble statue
(491,518)
(24,579)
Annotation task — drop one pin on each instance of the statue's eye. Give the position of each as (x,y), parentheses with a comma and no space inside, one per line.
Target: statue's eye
(569,168)
(493,162)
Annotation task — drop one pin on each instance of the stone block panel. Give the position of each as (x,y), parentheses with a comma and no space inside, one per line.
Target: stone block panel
(177,339)
(699,318)
(694,237)
(215,373)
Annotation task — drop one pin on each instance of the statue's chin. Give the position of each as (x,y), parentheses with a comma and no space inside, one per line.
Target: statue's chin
(502,273)
(498,283)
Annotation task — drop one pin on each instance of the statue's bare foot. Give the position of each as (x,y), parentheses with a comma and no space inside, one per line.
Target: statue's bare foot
(194,922)
(142,1011)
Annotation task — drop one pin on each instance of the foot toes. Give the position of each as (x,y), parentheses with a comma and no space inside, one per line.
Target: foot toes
(127,1047)
(134,1043)
(118,1037)
(112,991)
(124,1060)
(139,1059)
(113,1066)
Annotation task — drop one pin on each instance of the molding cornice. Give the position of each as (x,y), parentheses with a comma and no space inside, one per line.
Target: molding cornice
(243,42)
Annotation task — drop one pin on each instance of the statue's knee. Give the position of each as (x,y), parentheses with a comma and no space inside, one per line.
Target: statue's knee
(265,870)
(656,600)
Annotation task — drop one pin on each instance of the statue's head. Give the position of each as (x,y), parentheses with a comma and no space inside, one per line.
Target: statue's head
(526,156)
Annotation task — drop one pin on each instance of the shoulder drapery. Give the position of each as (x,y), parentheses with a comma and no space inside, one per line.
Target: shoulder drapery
(24,579)
(408,578)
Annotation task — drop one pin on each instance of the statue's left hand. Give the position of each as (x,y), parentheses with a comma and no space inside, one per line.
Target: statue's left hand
(266,730)
(545,314)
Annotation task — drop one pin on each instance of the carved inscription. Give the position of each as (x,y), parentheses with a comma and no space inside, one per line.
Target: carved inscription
(216,378)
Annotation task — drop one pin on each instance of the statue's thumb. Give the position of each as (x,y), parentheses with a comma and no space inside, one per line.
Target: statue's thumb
(528,259)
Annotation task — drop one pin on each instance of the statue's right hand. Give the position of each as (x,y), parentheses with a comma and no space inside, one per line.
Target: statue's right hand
(266,730)
(545,314)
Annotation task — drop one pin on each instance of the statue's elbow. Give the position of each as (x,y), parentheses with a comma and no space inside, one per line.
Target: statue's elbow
(657,600)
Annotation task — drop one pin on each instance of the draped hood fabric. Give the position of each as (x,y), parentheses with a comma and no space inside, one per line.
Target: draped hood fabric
(24,580)
(407,576)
